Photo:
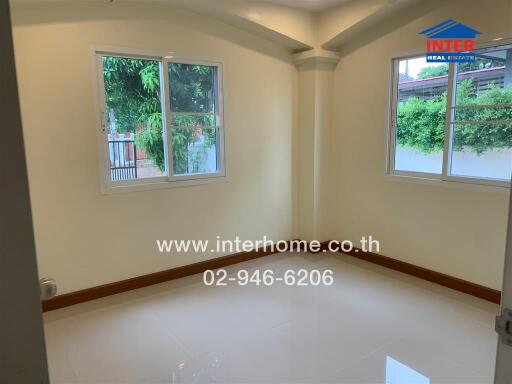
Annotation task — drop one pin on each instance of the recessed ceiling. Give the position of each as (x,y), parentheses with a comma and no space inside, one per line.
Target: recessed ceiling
(308,5)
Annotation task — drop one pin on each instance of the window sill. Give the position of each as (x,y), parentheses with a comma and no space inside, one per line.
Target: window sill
(467,184)
(147,185)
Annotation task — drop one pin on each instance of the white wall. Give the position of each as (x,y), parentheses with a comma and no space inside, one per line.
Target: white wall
(84,238)
(493,164)
(454,231)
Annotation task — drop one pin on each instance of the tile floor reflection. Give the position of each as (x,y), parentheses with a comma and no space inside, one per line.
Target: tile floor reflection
(372,326)
(398,373)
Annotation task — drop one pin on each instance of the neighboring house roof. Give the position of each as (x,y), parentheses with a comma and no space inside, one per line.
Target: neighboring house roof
(442,80)
(450,29)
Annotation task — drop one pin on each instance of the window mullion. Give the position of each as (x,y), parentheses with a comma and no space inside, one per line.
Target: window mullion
(167,118)
(393,117)
(450,118)
(104,153)
(219,120)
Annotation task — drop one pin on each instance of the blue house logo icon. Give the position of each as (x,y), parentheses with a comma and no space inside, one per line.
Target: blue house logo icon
(450,29)
(450,41)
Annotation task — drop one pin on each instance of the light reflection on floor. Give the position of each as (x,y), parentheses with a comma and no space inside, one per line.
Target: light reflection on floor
(398,373)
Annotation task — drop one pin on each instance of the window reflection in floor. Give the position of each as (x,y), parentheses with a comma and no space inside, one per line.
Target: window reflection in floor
(398,373)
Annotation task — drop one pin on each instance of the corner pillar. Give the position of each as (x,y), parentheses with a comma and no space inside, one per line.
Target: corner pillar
(315,109)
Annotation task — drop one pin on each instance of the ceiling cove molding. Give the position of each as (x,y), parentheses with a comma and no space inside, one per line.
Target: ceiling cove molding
(316,56)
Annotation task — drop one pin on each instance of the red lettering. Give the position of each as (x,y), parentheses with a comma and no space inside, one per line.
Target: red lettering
(458,45)
(437,45)
(469,45)
(447,45)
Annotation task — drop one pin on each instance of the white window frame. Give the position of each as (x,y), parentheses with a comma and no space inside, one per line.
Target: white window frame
(445,177)
(170,180)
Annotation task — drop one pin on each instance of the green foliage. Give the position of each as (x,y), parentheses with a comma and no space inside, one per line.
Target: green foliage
(191,88)
(420,123)
(482,137)
(433,71)
(191,92)
(132,89)
(151,140)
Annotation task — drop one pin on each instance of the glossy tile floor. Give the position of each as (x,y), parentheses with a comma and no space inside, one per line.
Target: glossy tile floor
(372,326)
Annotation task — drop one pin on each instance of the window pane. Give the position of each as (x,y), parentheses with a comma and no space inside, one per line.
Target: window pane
(195,150)
(195,118)
(482,130)
(134,118)
(420,115)
(481,160)
(193,88)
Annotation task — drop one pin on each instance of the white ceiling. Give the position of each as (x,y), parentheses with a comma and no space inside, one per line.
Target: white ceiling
(308,5)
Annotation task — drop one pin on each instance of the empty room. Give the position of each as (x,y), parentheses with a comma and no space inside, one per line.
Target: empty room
(256,191)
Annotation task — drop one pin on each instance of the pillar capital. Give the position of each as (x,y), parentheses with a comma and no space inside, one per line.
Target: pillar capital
(316,56)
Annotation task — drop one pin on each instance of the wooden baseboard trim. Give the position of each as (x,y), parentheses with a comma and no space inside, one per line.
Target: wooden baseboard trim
(72,298)
(105,290)
(455,283)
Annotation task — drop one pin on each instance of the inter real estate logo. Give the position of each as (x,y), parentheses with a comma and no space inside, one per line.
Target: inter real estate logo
(450,42)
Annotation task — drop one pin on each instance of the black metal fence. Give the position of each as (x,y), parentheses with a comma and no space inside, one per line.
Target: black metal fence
(123,159)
